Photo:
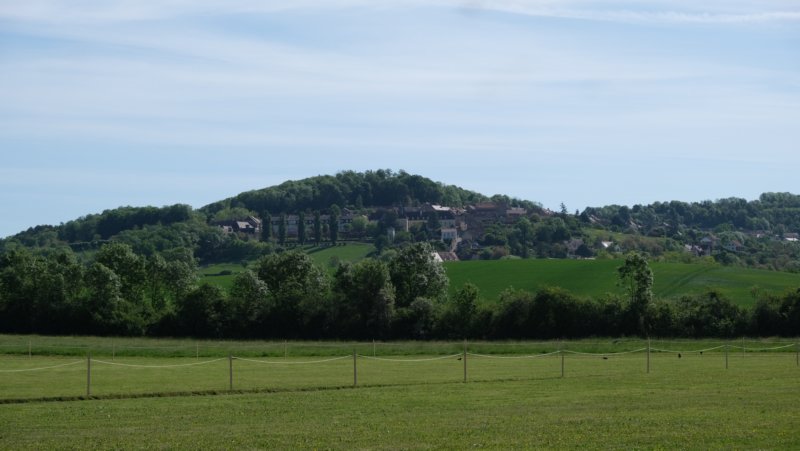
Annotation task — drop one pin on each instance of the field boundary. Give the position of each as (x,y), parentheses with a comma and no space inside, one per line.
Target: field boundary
(463,357)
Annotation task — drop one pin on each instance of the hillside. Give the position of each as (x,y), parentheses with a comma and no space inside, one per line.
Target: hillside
(594,278)
(391,209)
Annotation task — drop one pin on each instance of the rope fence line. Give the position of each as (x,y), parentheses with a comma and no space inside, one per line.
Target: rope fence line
(42,368)
(532,356)
(462,356)
(311,362)
(603,354)
(688,351)
(382,359)
(127,365)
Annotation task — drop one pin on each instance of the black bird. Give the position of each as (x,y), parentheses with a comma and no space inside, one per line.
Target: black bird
(701,352)
(459,358)
(679,355)
(605,358)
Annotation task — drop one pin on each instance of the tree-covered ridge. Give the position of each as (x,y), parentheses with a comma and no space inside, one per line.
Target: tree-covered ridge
(380,188)
(758,234)
(775,213)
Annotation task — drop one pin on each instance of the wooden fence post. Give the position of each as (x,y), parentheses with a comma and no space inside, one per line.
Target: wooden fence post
(648,355)
(230,371)
(465,360)
(562,363)
(726,356)
(355,368)
(88,374)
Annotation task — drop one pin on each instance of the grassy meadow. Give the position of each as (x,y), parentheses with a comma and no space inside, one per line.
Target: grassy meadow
(594,278)
(410,402)
(326,257)
(591,278)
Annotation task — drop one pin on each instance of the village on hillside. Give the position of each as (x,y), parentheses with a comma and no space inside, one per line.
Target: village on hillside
(461,231)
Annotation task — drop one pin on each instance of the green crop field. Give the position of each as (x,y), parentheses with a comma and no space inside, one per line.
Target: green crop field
(596,277)
(222,274)
(327,257)
(419,401)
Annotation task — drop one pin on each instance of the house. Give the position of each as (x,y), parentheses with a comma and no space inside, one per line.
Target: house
(250,226)
(693,249)
(791,237)
(733,246)
(449,234)
(448,256)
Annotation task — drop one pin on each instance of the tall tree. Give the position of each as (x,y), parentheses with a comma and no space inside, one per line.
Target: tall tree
(266,227)
(415,274)
(298,289)
(301,228)
(364,298)
(317,227)
(282,229)
(636,277)
(334,224)
(465,305)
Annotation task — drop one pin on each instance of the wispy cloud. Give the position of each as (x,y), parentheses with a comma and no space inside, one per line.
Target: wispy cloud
(630,11)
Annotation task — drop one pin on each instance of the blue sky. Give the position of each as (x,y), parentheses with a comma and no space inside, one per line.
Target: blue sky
(586,102)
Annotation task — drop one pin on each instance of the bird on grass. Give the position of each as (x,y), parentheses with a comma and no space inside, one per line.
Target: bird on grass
(605,358)
(679,355)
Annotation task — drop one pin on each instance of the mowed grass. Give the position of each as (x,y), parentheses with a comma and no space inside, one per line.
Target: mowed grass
(687,403)
(594,278)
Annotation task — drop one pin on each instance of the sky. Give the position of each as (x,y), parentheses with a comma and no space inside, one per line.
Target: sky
(106,103)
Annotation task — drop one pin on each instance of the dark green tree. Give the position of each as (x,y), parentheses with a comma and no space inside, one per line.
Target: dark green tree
(250,302)
(334,224)
(317,228)
(266,227)
(636,277)
(364,298)
(298,290)
(301,228)
(415,274)
(282,229)
(465,305)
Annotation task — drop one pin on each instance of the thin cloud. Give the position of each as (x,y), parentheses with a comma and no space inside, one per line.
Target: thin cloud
(664,12)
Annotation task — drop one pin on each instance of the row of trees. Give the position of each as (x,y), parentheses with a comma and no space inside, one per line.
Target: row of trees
(774,212)
(287,296)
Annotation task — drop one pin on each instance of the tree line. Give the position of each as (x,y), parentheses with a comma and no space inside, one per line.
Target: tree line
(403,295)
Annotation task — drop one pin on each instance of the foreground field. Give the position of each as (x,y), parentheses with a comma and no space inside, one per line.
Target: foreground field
(688,403)
(597,277)
(402,396)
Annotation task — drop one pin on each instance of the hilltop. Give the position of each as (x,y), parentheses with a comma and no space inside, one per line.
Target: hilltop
(387,209)
(274,256)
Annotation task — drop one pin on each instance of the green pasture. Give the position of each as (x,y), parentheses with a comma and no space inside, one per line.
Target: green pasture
(594,278)
(408,402)
(326,257)
(329,256)
(144,347)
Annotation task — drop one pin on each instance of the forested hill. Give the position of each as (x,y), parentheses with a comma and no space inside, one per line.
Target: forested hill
(356,190)
(771,213)
(759,233)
